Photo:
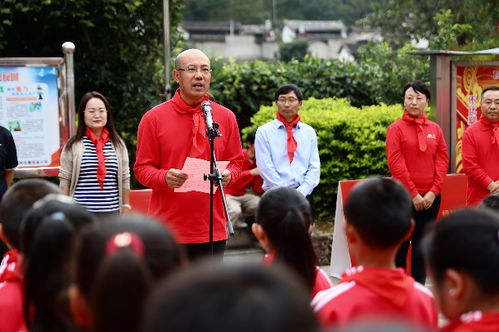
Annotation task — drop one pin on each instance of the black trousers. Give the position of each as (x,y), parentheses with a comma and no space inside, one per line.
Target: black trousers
(196,251)
(422,219)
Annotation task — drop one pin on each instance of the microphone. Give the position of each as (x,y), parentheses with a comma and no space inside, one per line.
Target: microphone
(206,108)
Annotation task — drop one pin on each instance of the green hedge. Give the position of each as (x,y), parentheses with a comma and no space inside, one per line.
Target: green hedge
(351,142)
(377,78)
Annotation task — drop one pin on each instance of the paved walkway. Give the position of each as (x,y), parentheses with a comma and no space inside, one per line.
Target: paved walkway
(250,251)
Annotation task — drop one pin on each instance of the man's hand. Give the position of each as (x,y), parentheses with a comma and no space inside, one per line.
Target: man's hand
(254,171)
(175,178)
(419,202)
(493,187)
(225,177)
(429,197)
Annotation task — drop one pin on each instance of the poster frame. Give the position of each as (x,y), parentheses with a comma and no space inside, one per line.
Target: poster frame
(65,89)
(453,115)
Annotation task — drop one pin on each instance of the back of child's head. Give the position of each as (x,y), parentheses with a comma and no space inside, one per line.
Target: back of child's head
(48,237)
(118,262)
(241,297)
(286,218)
(17,201)
(466,241)
(250,138)
(491,202)
(379,209)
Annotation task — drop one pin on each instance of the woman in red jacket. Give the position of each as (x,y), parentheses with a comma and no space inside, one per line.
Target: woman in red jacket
(417,157)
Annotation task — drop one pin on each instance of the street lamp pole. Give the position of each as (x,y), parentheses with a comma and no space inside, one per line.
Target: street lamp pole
(166,36)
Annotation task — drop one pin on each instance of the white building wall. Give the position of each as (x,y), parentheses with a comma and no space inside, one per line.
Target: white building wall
(319,49)
(240,48)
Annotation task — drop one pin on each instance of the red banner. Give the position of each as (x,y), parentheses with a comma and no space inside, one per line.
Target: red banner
(470,82)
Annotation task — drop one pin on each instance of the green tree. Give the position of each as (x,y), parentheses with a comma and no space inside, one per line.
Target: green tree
(256,11)
(414,20)
(119,47)
(349,11)
(246,12)
(387,70)
(448,33)
(293,50)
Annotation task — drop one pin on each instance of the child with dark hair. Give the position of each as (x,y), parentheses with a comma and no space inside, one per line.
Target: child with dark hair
(491,202)
(49,233)
(227,298)
(118,262)
(16,203)
(243,194)
(283,225)
(462,253)
(378,221)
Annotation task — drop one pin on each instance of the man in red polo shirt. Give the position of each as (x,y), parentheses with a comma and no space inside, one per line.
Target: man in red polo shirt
(171,132)
(480,149)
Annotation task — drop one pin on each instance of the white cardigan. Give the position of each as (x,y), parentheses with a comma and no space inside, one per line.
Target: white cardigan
(71,161)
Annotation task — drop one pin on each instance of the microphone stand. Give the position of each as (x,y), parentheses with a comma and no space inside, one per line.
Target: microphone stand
(215,176)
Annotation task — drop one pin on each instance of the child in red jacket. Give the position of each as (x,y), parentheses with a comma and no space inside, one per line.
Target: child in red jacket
(462,252)
(16,203)
(378,221)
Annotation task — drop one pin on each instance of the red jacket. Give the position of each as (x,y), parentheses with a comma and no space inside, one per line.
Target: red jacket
(475,321)
(164,141)
(418,171)
(246,179)
(480,161)
(367,293)
(11,294)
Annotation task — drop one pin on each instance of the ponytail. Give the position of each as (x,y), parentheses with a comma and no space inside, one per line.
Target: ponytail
(122,285)
(47,274)
(118,262)
(294,246)
(285,217)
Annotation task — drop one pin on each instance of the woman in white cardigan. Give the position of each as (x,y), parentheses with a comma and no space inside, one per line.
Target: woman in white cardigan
(94,162)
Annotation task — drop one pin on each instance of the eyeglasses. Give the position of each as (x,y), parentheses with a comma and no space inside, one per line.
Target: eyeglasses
(193,70)
(92,111)
(489,102)
(284,100)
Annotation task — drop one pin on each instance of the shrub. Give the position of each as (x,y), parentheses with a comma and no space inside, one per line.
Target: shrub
(351,142)
(378,78)
(293,50)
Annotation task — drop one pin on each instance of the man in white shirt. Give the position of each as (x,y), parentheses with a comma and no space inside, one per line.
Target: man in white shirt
(286,149)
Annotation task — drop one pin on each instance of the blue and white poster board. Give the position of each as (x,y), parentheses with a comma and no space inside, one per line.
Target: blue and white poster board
(29,108)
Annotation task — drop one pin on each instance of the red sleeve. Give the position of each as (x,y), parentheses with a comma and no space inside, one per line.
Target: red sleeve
(245,176)
(471,166)
(147,163)
(396,160)
(233,150)
(257,184)
(441,163)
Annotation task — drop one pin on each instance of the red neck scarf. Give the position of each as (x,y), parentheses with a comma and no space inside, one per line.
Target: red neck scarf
(420,124)
(494,129)
(291,141)
(199,138)
(99,143)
